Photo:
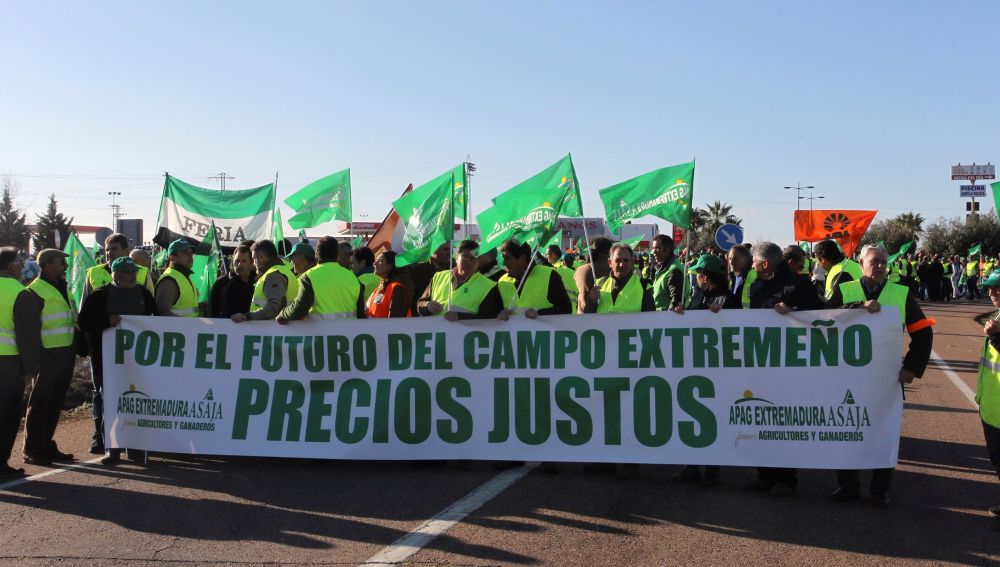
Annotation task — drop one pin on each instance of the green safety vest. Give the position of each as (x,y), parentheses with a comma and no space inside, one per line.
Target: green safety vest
(847,265)
(971,269)
(10,288)
(988,385)
(335,291)
(187,300)
(370,281)
(629,299)
(101,275)
(260,300)
(660,293)
(569,282)
(534,294)
(988,267)
(466,298)
(57,315)
(891,294)
(745,292)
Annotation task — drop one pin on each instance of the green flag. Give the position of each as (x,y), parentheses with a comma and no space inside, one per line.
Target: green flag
(975,249)
(279,231)
(996,196)
(160,259)
(554,177)
(302,236)
(427,214)
(205,268)
(580,245)
(357,242)
(556,239)
(79,260)
(461,187)
(635,240)
(901,253)
(322,200)
(528,211)
(665,193)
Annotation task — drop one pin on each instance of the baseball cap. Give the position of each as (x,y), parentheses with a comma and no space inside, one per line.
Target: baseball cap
(302,249)
(707,263)
(179,245)
(124,264)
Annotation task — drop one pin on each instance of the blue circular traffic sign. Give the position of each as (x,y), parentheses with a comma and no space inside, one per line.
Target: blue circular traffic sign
(728,235)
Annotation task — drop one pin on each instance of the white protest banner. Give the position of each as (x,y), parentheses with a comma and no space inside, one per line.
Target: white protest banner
(814,389)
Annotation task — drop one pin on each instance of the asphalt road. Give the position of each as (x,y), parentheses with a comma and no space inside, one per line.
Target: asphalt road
(242,511)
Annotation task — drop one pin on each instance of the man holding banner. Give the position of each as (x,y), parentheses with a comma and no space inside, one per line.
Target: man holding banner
(103,310)
(871,292)
(778,288)
(462,292)
(528,288)
(327,291)
(276,284)
(621,291)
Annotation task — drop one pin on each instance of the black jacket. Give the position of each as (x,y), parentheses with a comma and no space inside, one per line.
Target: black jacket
(794,290)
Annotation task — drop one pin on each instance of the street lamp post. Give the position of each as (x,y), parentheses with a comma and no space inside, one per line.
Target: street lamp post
(798,187)
(115,209)
(811,199)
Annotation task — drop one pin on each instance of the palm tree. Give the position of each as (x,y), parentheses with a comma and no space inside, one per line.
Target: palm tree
(910,223)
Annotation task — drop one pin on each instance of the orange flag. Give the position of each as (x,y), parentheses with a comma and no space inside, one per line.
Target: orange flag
(846,227)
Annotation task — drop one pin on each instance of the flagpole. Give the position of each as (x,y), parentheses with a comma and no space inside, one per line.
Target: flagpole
(451,236)
(275,207)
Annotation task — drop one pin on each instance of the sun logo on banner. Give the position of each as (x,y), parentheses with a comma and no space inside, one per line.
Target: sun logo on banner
(836,222)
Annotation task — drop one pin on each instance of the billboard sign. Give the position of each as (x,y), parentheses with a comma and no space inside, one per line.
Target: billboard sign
(972,172)
(972,191)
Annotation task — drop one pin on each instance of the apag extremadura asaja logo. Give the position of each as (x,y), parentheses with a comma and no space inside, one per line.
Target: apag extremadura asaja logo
(835,422)
(161,413)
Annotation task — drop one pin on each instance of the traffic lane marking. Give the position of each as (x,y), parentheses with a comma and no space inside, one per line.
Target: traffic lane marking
(413,542)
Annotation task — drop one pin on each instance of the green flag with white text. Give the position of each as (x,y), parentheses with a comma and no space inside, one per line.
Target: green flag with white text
(79,260)
(528,211)
(427,215)
(975,249)
(665,193)
(321,201)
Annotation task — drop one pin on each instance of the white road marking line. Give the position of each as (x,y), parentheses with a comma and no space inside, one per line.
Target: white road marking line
(968,392)
(401,549)
(48,473)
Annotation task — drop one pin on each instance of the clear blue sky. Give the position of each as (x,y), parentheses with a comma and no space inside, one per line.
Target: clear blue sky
(869,102)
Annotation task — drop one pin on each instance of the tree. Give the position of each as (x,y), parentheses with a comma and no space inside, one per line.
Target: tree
(13,230)
(895,232)
(953,236)
(911,224)
(49,224)
(704,223)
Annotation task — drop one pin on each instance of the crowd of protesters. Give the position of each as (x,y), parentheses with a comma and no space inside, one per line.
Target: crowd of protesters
(288,282)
